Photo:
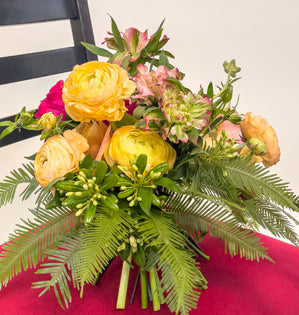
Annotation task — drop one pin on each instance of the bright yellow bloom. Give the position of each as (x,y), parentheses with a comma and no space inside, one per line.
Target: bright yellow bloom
(95,91)
(58,156)
(258,127)
(129,141)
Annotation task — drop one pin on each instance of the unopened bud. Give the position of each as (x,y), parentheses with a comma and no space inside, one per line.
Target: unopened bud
(48,121)
(257,146)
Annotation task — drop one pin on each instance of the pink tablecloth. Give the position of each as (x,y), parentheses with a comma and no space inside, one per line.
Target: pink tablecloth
(236,286)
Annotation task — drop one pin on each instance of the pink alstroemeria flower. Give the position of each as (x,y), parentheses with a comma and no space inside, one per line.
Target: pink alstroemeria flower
(53,102)
(135,41)
(151,83)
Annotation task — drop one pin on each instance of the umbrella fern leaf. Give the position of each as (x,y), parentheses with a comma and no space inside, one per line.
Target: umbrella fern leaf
(30,241)
(9,185)
(180,272)
(257,179)
(201,215)
(100,242)
(60,261)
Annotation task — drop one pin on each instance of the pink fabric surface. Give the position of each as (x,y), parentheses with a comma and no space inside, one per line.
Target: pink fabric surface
(236,286)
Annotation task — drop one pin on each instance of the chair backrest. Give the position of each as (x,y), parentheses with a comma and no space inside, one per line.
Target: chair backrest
(40,64)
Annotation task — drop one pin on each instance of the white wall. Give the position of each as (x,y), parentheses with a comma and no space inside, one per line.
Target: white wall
(262,35)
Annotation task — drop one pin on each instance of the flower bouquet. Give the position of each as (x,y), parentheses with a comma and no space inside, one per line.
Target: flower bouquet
(135,164)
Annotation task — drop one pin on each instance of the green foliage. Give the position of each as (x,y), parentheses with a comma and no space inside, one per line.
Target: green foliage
(60,261)
(202,216)
(100,242)
(8,186)
(180,272)
(29,243)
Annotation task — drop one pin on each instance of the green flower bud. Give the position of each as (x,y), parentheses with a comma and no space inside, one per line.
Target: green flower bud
(48,121)
(231,68)
(257,146)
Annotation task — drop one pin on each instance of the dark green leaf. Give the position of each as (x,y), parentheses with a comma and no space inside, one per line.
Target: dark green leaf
(145,193)
(110,182)
(167,183)
(139,257)
(160,168)
(125,121)
(89,213)
(210,92)
(116,34)
(126,193)
(87,162)
(141,162)
(100,172)
(31,157)
(97,50)
(124,254)
(177,84)
(111,202)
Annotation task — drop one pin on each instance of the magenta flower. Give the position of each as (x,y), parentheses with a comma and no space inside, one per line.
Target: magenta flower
(53,102)
(130,107)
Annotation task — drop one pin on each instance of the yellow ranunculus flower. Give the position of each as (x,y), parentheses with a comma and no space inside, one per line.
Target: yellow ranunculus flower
(58,156)
(258,127)
(95,91)
(129,141)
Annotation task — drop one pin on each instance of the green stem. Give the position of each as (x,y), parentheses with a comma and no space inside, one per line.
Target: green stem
(223,89)
(123,284)
(197,250)
(143,283)
(153,276)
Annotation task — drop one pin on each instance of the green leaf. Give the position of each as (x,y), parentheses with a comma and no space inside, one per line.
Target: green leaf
(116,34)
(125,121)
(139,257)
(168,183)
(210,92)
(7,131)
(111,202)
(124,254)
(160,168)
(6,123)
(145,193)
(109,182)
(141,162)
(177,84)
(89,213)
(29,243)
(87,162)
(164,61)
(100,172)
(154,42)
(97,50)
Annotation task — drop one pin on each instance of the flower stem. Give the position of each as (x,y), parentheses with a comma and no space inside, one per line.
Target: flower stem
(143,283)
(197,249)
(153,276)
(224,87)
(123,284)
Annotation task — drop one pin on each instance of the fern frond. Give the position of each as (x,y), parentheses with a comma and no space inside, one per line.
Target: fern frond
(257,179)
(9,185)
(200,215)
(30,241)
(272,217)
(180,272)
(100,242)
(62,258)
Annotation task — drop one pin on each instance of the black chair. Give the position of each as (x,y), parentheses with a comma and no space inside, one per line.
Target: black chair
(40,64)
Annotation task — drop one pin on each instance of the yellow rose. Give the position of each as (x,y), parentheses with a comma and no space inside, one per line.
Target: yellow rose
(94,133)
(258,127)
(128,141)
(95,91)
(58,156)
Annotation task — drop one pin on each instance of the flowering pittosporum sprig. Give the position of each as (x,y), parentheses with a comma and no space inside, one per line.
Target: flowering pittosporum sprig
(138,184)
(86,190)
(133,47)
(220,148)
(179,117)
